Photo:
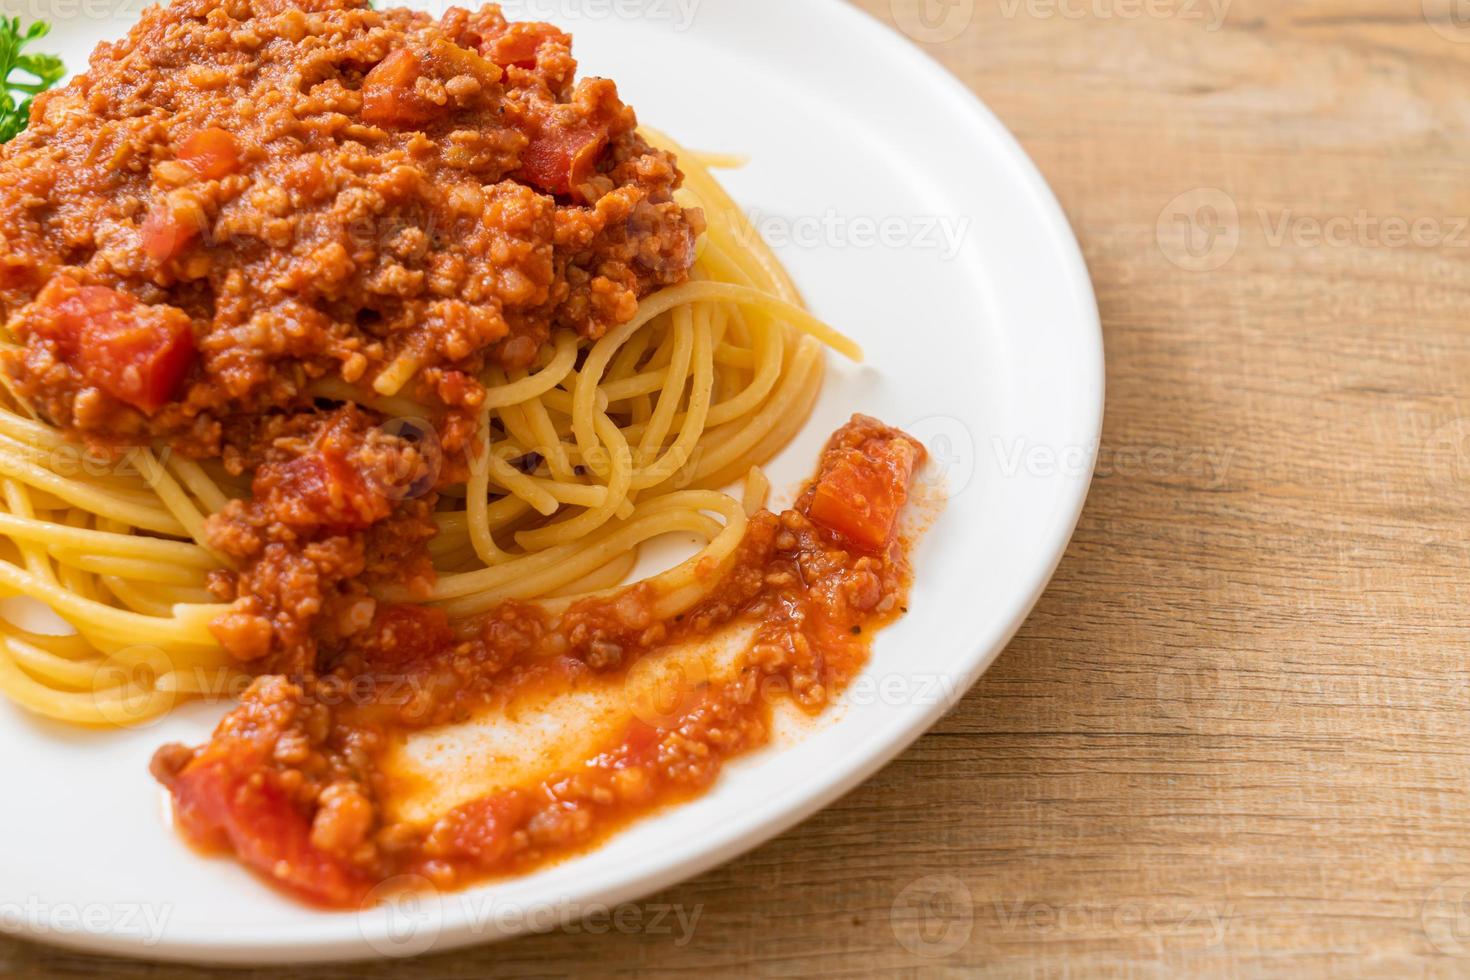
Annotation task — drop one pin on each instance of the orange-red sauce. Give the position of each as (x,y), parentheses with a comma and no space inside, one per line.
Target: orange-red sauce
(293,782)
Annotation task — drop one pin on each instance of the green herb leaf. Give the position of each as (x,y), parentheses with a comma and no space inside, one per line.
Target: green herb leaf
(23,76)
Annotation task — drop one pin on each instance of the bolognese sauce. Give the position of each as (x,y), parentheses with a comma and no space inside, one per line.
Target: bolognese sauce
(292,781)
(245,198)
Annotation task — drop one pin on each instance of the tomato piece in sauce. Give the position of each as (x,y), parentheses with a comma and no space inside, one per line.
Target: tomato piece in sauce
(517,47)
(389,97)
(864,482)
(136,353)
(227,798)
(560,158)
(212,153)
(322,489)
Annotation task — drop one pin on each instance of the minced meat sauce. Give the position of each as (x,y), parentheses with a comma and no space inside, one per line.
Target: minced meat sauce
(293,784)
(243,197)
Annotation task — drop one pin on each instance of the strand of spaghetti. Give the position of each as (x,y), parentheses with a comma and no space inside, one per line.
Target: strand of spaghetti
(72,646)
(199,483)
(548,441)
(103,617)
(748,296)
(173,497)
(477,503)
(585,523)
(772,360)
(581,561)
(585,398)
(78,583)
(736,452)
(701,388)
(520,430)
(625,363)
(90,498)
(61,536)
(397,374)
(498,514)
(47,666)
(152,600)
(20,507)
(518,483)
(75,707)
(676,378)
(69,461)
(663,348)
(605,577)
(60,462)
(133,569)
(28,431)
(484,579)
(786,425)
(756,492)
(719,161)
(538,384)
(731,356)
(681,587)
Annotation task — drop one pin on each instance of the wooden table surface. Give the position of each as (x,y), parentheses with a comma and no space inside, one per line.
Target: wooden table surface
(1231,740)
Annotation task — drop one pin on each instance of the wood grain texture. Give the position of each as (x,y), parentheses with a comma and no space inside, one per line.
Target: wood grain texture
(1231,741)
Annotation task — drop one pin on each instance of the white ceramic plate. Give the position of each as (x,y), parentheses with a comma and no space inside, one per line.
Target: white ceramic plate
(911,220)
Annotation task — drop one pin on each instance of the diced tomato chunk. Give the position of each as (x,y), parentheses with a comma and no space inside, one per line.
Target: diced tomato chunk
(517,47)
(165,235)
(136,353)
(211,153)
(560,158)
(864,482)
(388,94)
(228,798)
(323,490)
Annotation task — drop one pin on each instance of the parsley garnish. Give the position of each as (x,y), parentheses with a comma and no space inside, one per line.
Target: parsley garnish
(23,76)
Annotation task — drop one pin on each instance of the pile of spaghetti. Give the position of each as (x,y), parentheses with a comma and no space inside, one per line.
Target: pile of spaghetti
(543,473)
